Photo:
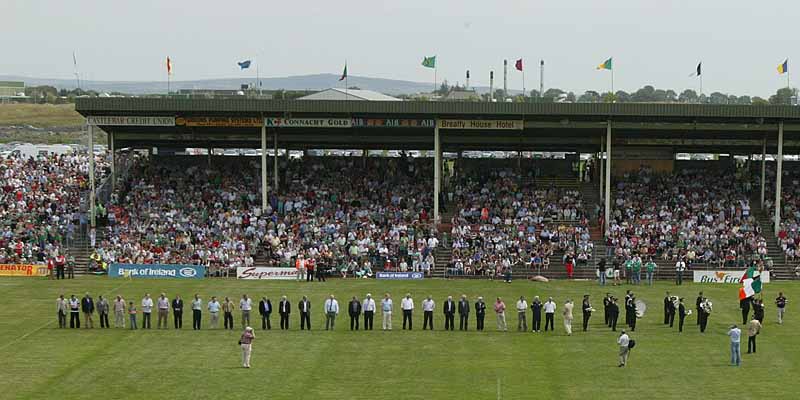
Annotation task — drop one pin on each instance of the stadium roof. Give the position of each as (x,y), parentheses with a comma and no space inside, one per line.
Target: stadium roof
(350,94)
(408,124)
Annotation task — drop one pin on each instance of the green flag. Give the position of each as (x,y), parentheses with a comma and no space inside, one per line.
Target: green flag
(429,62)
(607,64)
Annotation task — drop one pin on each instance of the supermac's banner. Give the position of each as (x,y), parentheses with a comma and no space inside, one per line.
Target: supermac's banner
(265,273)
(23,270)
(157,271)
(399,275)
(725,276)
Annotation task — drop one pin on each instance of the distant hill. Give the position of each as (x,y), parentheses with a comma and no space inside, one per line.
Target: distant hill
(301,82)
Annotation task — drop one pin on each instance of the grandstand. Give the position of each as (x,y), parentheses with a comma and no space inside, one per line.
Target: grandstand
(373,211)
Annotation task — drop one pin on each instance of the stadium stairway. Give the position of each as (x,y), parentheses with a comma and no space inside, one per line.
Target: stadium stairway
(81,251)
(781,269)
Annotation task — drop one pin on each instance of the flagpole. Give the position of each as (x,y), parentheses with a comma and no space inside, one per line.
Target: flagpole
(612,83)
(523,83)
(701,83)
(346,81)
(434,78)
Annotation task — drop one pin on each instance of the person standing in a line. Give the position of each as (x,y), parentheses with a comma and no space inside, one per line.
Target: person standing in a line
(680,266)
(500,310)
(386,308)
(587,309)
(177,312)
(265,310)
(305,313)
(245,305)
(428,305)
(753,329)
(667,303)
(623,341)
(536,307)
(549,314)
(522,311)
(697,306)
(758,310)
(132,315)
(407,305)
(369,312)
(632,312)
(736,356)
(61,311)
(613,314)
(163,311)
(463,313)
(681,314)
(567,313)
(119,312)
(147,309)
(705,310)
(606,304)
(227,313)
(74,312)
(284,309)
(214,307)
(449,310)
(87,307)
(102,311)
(671,312)
(480,313)
(650,269)
(780,304)
(354,311)
(331,311)
(744,305)
(197,311)
(246,342)
(601,271)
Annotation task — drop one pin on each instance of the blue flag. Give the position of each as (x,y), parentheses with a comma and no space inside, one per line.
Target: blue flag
(244,64)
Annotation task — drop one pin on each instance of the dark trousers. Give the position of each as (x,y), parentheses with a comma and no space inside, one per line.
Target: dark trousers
(666,316)
(368,316)
(309,276)
(679,278)
(698,316)
(305,320)
(586,316)
(427,318)
(228,320)
(407,317)
(612,321)
(703,323)
(265,321)
(320,276)
(284,321)
(196,319)
(59,272)
(62,319)
(631,317)
(463,320)
(177,318)
(548,321)
(751,344)
(354,322)
(745,313)
(74,319)
(449,322)
(680,323)
(479,321)
(537,322)
(146,320)
(671,319)
(104,320)
(70,273)
(606,317)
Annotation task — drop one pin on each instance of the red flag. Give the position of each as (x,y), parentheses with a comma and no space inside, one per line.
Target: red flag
(518,65)
(169,66)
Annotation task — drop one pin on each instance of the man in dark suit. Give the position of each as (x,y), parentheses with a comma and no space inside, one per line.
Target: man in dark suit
(536,307)
(744,304)
(606,303)
(480,313)
(177,312)
(87,306)
(697,306)
(627,304)
(284,309)
(613,313)
(632,312)
(586,307)
(667,305)
(304,306)
(449,310)
(354,310)
(681,314)
(265,309)
(463,313)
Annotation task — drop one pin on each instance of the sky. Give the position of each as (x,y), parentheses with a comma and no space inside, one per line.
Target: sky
(740,43)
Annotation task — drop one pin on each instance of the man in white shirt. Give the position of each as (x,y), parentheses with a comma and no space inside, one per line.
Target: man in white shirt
(245,304)
(197,312)
(522,309)
(213,309)
(680,266)
(427,308)
(623,342)
(387,306)
(549,314)
(163,310)
(331,311)
(368,306)
(407,305)
(147,308)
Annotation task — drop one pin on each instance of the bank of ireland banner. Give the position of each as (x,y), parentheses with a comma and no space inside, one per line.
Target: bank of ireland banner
(725,276)
(157,271)
(399,275)
(265,273)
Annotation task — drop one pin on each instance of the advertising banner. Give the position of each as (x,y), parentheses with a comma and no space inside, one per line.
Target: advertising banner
(308,122)
(225,122)
(399,275)
(157,271)
(131,121)
(23,270)
(265,273)
(725,276)
(496,124)
(393,123)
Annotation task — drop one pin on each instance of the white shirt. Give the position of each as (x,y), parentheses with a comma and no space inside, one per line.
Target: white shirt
(522,305)
(623,340)
(680,266)
(407,304)
(428,305)
(147,305)
(549,307)
(163,303)
(368,305)
(246,304)
(331,305)
(387,305)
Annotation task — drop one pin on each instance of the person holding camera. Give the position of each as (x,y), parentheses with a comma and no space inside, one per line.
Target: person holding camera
(246,343)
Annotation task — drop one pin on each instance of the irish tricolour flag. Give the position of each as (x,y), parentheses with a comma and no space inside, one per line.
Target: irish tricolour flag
(751,283)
